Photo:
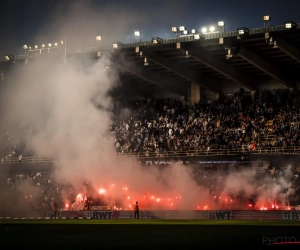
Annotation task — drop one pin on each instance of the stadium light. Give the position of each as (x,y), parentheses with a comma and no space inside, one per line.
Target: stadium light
(197,36)
(117,45)
(174,29)
(156,40)
(62,41)
(137,35)
(185,32)
(36,47)
(193,31)
(221,26)
(25,46)
(204,30)
(43,45)
(55,44)
(242,31)
(212,29)
(98,38)
(6,58)
(181,28)
(49,45)
(290,25)
(267,20)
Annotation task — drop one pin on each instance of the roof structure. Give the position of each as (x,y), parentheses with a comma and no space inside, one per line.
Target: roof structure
(246,59)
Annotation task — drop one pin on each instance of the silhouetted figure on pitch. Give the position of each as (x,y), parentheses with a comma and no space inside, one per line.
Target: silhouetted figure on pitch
(54,209)
(136,211)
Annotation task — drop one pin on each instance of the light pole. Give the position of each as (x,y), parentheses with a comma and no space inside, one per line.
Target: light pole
(138,36)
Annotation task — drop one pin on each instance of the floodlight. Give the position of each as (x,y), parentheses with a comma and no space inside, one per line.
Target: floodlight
(25,46)
(267,18)
(174,29)
(181,28)
(185,32)
(242,31)
(43,45)
(212,29)
(204,30)
(290,25)
(98,38)
(117,45)
(6,58)
(156,40)
(196,36)
(137,33)
(62,42)
(29,47)
(35,46)
(55,44)
(49,45)
(221,24)
(193,31)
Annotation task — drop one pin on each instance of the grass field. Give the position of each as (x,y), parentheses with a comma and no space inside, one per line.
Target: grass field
(145,234)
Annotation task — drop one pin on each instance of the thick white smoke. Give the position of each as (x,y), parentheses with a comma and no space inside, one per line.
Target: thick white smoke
(68,108)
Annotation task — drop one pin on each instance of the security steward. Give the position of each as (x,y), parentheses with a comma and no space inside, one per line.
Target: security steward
(54,209)
(136,211)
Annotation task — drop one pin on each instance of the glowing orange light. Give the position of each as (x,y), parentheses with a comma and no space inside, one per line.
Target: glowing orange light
(128,197)
(171,204)
(113,185)
(101,191)
(158,200)
(67,205)
(205,207)
(198,206)
(152,197)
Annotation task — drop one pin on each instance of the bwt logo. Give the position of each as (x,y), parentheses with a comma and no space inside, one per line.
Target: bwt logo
(294,215)
(216,215)
(279,240)
(102,215)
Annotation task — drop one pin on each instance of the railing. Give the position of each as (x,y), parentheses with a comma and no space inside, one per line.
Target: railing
(213,152)
(217,152)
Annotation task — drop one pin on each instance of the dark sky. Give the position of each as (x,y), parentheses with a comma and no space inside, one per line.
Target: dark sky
(79,21)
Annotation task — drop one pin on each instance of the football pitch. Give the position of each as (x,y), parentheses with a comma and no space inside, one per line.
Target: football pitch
(148,234)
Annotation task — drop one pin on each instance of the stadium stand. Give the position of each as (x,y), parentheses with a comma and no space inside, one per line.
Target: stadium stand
(239,122)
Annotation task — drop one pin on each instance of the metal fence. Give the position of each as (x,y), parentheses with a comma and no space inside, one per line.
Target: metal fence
(190,153)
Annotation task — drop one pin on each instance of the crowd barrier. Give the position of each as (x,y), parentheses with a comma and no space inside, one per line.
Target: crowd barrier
(171,154)
(183,215)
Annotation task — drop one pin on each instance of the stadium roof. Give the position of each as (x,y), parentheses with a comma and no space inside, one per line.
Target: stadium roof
(257,57)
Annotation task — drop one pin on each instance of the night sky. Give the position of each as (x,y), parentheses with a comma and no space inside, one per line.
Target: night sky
(42,21)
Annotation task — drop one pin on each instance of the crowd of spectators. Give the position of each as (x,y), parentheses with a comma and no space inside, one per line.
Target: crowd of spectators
(238,122)
(36,191)
(235,121)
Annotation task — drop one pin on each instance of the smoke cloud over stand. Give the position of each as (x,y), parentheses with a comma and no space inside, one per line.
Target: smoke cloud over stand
(65,111)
